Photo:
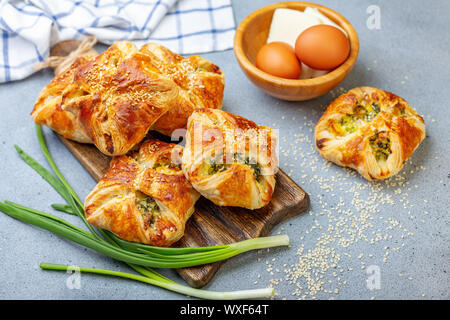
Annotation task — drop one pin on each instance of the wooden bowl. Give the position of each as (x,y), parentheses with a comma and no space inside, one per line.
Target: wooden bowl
(252,34)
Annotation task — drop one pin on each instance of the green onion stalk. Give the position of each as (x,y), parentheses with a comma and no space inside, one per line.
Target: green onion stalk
(138,256)
(169,284)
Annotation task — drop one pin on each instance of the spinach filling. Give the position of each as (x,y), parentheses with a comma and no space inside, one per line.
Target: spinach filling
(399,111)
(367,113)
(148,207)
(240,158)
(350,122)
(381,146)
(169,165)
(215,167)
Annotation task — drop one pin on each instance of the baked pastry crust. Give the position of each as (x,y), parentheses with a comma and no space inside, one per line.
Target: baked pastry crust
(230,160)
(370,130)
(48,108)
(144,196)
(113,99)
(200,81)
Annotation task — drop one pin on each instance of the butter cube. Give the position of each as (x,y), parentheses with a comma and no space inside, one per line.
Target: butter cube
(288,24)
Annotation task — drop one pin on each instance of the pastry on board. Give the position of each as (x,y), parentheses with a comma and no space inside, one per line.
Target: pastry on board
(48,108)
(230,160)
(144,197)
(370,130)
(200,81)
(116,97)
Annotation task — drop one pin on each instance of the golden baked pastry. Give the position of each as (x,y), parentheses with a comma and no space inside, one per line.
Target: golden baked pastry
(113,99)
(370,130)
(230,160)
(144,196)
(48,108)
(200,81)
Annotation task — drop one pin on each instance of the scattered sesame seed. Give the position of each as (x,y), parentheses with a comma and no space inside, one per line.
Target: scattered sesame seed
(346,210)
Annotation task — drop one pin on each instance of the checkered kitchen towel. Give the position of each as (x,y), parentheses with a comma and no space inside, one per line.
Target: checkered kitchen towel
(29,28)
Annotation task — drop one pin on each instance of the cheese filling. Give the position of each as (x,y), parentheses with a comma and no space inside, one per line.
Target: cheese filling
(212,166)
(148,207)
(367,112)
(381,146)
(351,122)
(167,168)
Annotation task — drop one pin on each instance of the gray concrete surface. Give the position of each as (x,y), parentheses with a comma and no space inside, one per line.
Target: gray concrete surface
(400,229)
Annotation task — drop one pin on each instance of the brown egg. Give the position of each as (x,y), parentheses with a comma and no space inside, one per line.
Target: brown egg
(279,59)
(322,47)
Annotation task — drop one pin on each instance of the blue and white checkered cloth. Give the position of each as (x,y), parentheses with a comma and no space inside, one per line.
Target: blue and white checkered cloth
(29,28)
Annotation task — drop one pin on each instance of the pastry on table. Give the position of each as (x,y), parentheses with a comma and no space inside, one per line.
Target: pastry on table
(144,196)
(370,130)
(116,97)
(230,160)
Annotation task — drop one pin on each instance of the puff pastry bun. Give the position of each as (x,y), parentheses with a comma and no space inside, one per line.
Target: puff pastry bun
(144,196)
(200,81)
(113,99)
(370,130)
(230,160)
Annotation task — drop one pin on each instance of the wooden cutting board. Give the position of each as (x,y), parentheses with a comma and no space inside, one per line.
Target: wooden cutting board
(211,224)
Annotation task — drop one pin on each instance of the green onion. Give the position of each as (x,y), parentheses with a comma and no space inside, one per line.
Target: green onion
(52,163)
(173,286)
(148,258)
(44,215)
(47,175)
(63,208)
(138,256)
(58,183)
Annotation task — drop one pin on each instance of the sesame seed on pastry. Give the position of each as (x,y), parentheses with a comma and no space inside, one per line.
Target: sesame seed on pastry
(370,130)
(113,99)
(230,160)
(144,196)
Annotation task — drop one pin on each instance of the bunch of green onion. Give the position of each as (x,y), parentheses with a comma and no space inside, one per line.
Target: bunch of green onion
(138,256)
